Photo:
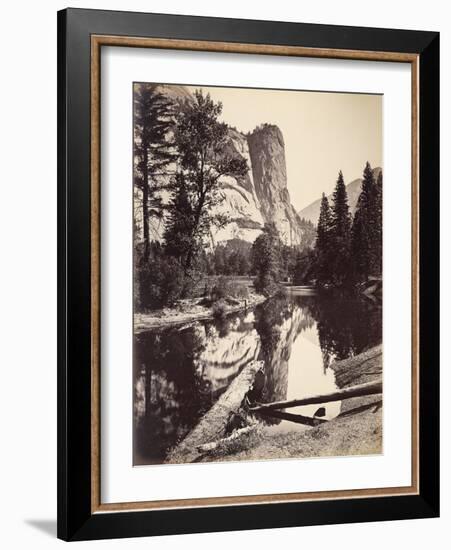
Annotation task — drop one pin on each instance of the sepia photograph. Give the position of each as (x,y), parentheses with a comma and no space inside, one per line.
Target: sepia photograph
(257,274)
(248,273)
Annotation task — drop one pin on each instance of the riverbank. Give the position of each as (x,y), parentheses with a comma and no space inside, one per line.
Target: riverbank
(191,309)
(356,431)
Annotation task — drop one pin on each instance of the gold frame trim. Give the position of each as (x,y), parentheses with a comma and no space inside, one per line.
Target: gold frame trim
(97,41)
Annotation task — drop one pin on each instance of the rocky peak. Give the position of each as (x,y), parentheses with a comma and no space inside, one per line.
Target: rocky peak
(267,152)
(262,194)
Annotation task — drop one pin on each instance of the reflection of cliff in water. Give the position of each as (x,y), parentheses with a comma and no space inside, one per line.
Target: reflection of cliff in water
(278,323)
(180,372)
(229,346)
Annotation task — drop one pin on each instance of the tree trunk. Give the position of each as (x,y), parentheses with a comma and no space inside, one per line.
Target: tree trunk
(296,418)
(189,256)
(145,205)
(370,388)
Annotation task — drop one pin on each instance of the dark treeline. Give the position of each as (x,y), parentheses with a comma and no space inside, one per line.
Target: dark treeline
(232,257)
(348,250)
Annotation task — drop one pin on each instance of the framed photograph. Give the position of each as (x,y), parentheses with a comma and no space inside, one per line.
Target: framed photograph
(248,274)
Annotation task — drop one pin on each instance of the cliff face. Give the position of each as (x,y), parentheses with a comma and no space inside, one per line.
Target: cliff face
(260,196)
(267,152)
(240,201)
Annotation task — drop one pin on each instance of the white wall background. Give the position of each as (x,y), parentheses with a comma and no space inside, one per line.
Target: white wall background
(28,271)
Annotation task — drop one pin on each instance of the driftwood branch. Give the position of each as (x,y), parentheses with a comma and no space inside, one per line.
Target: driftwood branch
(369,388)
(235,437)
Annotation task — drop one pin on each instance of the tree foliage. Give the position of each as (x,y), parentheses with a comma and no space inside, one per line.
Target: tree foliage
(349,250)
(267,260)
(200,139)
(304,269)
(340,233)
(232,257)
(367,228)
(153,150)
(179,222)
(323,245)
(161,279)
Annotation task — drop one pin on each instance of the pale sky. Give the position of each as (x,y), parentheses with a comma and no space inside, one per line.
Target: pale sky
(324,132)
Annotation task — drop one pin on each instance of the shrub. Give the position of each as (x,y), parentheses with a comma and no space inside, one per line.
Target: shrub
(238,290)
(265,284)
(161,282)
(219,309)
(225,288)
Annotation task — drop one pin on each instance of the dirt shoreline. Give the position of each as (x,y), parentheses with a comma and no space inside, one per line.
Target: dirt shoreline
(187,311)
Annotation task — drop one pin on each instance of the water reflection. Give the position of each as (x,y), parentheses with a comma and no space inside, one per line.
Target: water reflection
(181,372)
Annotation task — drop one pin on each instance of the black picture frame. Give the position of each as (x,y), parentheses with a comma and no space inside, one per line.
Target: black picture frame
(75,518)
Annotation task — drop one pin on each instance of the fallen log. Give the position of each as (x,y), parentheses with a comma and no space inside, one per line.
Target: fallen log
(370,388)
(213,424)
(296,418)
(375,405)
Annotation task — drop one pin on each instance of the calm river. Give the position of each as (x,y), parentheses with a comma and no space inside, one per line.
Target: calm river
(181,371)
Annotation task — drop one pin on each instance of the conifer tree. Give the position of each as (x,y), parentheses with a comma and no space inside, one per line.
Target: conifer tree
(153,116)
(179,224)
(267,259)
(340,235)
(323,243)
(367,228)
(378,225)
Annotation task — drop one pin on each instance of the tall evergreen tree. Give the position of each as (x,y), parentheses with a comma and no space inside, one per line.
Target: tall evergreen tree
(367,227)
(153,117)
(378,225)
(340,234)
(323,243)
(267,259)
(179,223)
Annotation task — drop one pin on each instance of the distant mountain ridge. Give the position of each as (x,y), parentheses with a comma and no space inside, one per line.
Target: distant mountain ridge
(311,212)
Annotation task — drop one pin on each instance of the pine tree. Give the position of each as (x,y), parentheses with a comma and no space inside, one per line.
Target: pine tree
(267,259)
(367,228)
(153,116)
(179,224)
(378,225)
(340,235)
(323,243)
